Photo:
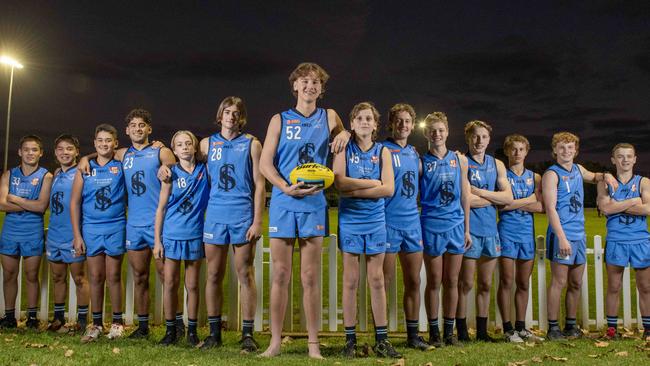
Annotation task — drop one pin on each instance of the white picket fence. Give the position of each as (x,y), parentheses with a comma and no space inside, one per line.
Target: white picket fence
(331,313)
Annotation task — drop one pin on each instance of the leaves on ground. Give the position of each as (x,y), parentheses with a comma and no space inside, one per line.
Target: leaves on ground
(287,340)
(35,345)
(116,351)
(399,362)
(601,344)
(622,354)
(68,353)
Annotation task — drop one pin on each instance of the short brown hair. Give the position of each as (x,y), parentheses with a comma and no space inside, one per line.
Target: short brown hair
(105,127)
(511,139)
(228,102)
(436,117)
(363,106)
(304,69)
(623,145)
(395,110)
(138,113)
(473,125)
(565,137)
(67,138)
(33,138)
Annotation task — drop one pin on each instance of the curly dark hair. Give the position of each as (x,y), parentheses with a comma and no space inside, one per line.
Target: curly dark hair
(138,113)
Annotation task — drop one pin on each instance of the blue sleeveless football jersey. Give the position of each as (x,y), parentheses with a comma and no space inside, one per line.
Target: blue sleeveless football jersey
(402,208)
(570,198)
(303,139)
(517,225)
(362,165)
(440,192)
(25,224)
(187,203)
(623,227)
(103,198)
(142,184)
(60,229)
(231,179)
(483,220)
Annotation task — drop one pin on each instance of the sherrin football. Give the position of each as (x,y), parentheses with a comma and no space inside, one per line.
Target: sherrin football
(312,174)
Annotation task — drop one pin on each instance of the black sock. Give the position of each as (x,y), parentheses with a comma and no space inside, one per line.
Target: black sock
(31,313)
(247,328)
(381,333)
(612,321)
(507,327)
(481,326)
(434,328)
(461,326)
(143,321)
(171,326)
(448,327)
(351,334)
(97,318)
(191,326)
(553,324)
(59,312)
(215,326)
(520,325)
(10,314)
(570,323)
(117,318)
(179,319)
(82,315)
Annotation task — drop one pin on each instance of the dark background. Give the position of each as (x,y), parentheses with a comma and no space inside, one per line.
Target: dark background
(582,66)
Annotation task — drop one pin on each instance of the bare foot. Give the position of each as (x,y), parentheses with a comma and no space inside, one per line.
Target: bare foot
(272,351)
(314,350)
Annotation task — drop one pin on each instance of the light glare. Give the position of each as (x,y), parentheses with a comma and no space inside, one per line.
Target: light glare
(11,62)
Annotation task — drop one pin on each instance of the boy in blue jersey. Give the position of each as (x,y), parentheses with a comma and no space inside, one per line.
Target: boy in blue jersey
(489,188)
(97,212)
(294,137)
(364,177)
(59,246)
(179,228)
(628,241)
(517,234)
(404,235)
(24,196)
(566,242)
(445,200)
(140,163)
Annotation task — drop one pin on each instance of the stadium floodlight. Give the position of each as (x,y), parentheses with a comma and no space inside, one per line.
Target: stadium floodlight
(14,64)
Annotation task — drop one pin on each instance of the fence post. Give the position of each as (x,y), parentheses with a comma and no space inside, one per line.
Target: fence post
(584,295)
(391,298)
(258,267)
(333,284)
(233,292)
(72,299)
(497,310)
(627,299)
(158,300)
(541,282)
(362,300)
(639,321)
(424,322)
(129,293)
(598,278)
(45,289)
(529,308)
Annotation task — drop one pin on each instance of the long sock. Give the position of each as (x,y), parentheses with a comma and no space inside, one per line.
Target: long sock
(247,327)
(481,326)
(570,323)
(31,313)
(143,321)
(215,326)
(381,333)
(612,321)
(82,315)
(553,324)
(520,325)
(97,318)
(461,326)
(191,326)
(448,327)
(10,314)
(412,328)
(434,328)
(59,311)
(171,326)
(507,327)
(646,323)
(117,318)
(351,334)
(179,319)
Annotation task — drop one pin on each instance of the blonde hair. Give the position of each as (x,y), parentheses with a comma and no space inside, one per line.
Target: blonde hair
(363,106)
(306,68)
(229,102)
(623,145)
(564,137)
(511,139)
(471,126)
(395,110)
(436,117)
(195,141)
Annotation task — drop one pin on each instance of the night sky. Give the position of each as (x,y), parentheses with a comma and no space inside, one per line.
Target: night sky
(582,66)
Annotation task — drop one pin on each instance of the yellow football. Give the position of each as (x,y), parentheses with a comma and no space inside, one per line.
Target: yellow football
(312,174)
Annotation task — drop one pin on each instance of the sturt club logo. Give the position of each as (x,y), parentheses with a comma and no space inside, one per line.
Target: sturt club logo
(226,177)
(447,195)
(626,219)
(408,187)
(102,198)
(137,183)
(186,206)
(574,203)
(57,203)
(306,153)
